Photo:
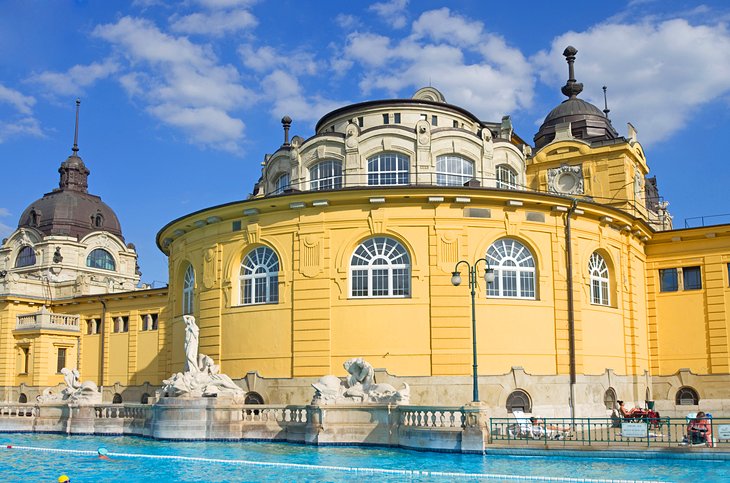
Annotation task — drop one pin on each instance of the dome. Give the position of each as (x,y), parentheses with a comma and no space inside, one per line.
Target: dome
(70,210)
(587,122)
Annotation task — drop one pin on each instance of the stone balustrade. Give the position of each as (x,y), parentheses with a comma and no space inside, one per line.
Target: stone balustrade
(282,414)
(18,411)
(431,417)
(46,320)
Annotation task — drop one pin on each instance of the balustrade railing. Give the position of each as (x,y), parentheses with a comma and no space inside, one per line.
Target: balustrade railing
(18,411)
(116,411)
(44,319)
(278,414)
(431,417)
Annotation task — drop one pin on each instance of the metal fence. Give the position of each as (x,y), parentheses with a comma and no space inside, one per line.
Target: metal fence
(657,432)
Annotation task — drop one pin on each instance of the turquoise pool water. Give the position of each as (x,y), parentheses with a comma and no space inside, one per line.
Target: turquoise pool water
(137,459)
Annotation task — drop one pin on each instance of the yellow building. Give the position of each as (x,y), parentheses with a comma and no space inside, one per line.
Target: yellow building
(347,248)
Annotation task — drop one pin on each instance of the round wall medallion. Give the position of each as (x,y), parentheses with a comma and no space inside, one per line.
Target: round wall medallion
(566,182)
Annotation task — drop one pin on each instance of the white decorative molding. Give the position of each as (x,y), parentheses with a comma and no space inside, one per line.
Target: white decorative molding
(566,180)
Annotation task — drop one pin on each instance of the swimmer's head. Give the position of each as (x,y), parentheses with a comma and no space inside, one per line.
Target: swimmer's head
(64,479)
(102,451)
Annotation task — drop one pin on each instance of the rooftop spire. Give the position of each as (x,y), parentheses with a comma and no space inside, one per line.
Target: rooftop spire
(75,149)
(606,110)
(571,88)
(286,122)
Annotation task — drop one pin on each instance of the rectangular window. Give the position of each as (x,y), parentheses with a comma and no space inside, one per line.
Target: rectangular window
(434,120)
(236,225)
(692,277)
(360,121)
(728,274)
(149,322)
(121,324)
(26,359)
(668,280)
(396,118)
(386,119)
(61,362)
(456,123)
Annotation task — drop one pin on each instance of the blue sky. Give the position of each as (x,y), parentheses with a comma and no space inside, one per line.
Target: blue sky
(182,100)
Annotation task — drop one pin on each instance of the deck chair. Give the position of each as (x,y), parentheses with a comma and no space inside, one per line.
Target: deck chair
(525,428)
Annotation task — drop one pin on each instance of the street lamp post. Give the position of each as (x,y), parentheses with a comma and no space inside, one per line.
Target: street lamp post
(456,281)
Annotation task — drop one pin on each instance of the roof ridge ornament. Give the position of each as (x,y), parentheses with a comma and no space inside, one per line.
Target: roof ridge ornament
(75,148)
(571,88)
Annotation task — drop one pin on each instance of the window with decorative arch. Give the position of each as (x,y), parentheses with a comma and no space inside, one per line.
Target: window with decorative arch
(519,400)
(259,277)
(514,270)
(687,396)
(282,183)
(600,282)
(609,399)
(326,175)
(380,267)
(188,290)
(26,257)
(506,177)
(101,259)
(453,170)
(388,169)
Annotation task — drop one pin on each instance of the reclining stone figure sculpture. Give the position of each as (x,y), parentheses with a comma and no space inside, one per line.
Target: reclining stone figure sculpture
(358,387)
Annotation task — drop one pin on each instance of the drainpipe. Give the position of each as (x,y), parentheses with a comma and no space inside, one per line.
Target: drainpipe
(101,355)
(571,314)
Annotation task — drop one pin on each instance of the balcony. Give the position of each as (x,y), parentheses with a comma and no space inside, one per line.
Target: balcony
(46,320)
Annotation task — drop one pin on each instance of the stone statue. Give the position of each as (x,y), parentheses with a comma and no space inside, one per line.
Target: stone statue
(75,391)
(202,377)
(192,338)
(358,387)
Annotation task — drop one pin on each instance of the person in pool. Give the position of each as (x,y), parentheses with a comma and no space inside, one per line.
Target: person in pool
(103,454)
(64,479)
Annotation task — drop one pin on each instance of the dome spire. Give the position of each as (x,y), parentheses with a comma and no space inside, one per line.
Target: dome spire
(75,148)
(571,88)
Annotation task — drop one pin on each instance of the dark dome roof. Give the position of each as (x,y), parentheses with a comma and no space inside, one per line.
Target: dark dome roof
(587,122)
(70,210)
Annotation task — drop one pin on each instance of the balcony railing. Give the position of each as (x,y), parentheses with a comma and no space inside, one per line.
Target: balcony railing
(47,320)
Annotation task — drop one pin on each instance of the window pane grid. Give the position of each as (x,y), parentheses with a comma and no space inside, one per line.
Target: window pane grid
(101,259)
(506,177)
(388,169)
(452,170)
(514,270)
(325,175)
(599,280)
(380,267)
(259,277)
(26,257)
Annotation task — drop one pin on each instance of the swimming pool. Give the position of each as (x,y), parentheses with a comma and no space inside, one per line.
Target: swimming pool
(281,462)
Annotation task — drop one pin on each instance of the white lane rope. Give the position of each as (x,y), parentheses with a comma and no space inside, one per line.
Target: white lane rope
(409,473)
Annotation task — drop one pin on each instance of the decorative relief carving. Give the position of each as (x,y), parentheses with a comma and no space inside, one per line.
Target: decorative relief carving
(566,179)
(423,131)
(511,226)
(449,250)
(310,255)
(210,267)
(376,222)
(253,233)
(352,135)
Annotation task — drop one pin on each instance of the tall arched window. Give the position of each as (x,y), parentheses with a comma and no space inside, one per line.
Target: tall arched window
(259,278)
(453,170)
(506,177)
(282,183)
(325,175)
(380,267)
(187,292)
(687,396)
(26,257)
(100,258)
(514,270)
(599,279)
(388,169)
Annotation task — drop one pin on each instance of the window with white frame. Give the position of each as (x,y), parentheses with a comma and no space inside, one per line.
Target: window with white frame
(599,280)
(102,259)
(506,177)
(325,175)
(259,277)
(26,257)
(380,267)
(188,288)
(453,170)
(282,183)
(514,270)
(388,169)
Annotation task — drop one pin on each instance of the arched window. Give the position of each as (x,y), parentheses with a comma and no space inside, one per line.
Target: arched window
(506,177)
(97,220)
(117,399)
(388,169)
(519,400)
(187,291)
(453,170)
(609,399)
(380,267)
(325,175)
(100,258)
(687,396)
(259,278)
(599,279)
(253,398)
(514,270)
(26,257)
(34,218)
(282,183)
(23,398)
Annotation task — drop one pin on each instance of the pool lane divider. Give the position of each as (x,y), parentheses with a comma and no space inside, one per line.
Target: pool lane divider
(304,466)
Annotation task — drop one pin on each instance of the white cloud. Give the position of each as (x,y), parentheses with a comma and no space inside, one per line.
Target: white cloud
(24,126)
(76,78)
(472,67)
(663,72)
(393,12)
(216,23)
(289,99)
(266,59)
(183,83)
(22,103)
(346,21)
(214,4)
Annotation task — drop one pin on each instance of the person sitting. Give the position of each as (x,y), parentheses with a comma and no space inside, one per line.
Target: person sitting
(699,430)
(629,414)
